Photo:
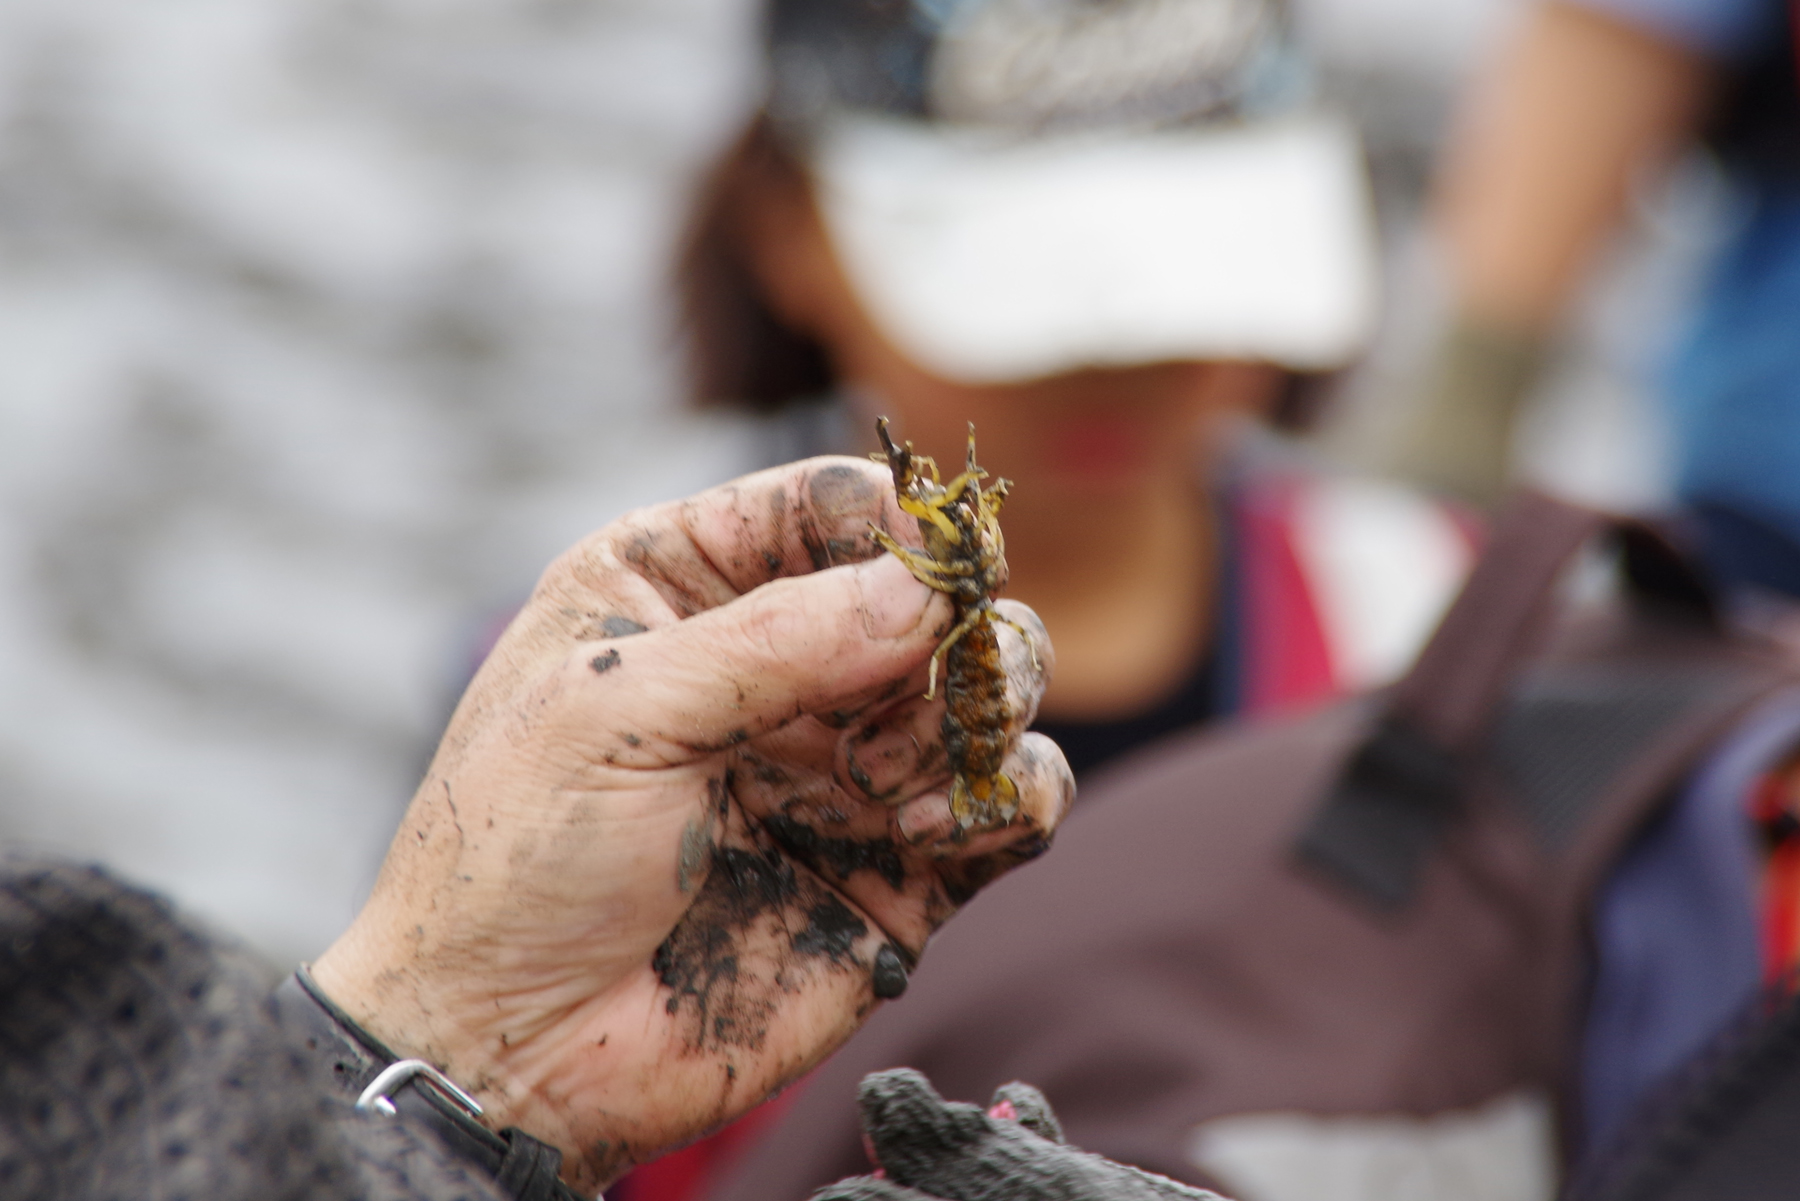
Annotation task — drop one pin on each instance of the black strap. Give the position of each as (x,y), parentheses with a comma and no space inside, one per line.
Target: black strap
(525,1168)
(1384,814)
(1402,788)
(530,1169)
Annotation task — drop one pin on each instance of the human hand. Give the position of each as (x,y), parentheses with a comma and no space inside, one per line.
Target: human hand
(930,1149)
(688,823)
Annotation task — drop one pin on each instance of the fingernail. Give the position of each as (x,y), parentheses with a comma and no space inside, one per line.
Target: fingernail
(926,819)
(889,979)
(881,759)
(893,600)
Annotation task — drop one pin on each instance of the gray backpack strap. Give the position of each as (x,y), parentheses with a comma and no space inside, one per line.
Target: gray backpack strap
(1404,784)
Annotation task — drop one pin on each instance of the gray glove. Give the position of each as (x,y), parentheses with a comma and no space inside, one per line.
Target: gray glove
(932,1148)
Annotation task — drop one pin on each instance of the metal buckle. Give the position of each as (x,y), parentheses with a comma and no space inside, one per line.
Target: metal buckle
(377,1096)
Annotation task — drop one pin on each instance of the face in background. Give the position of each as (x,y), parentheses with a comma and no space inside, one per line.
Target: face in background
(1097,437)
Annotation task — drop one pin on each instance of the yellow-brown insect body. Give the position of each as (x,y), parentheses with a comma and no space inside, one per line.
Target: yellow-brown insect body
(976,717)
(964,557)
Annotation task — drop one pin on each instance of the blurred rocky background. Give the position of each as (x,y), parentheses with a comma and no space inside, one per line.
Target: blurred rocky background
(325,323)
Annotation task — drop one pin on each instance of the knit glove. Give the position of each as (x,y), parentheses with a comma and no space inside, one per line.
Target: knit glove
(931,1148)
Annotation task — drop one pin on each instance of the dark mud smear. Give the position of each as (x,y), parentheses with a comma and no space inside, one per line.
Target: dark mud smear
(889,978)
(964,878)
(832,929)
(621,627)
(670,582)
(762,770)
(861,779)
(839,857)
(840,491)
(605,663)
(606,1159)
(700,962)
(833,494)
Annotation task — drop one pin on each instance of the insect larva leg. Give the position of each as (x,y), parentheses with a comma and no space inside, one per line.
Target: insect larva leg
(1030,642)
(956,487)
(994,497)
(967,624)
(929,510)
(922,567)
(918,560)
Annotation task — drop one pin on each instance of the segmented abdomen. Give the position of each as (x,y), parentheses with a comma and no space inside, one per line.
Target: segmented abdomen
(976,716)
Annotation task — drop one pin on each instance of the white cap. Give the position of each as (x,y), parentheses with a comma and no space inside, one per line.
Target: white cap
(989,257)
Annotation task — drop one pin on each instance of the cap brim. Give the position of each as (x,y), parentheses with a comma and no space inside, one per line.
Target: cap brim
(988,259)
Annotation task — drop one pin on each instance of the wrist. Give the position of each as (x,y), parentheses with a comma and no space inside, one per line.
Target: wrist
(386,1085)
(406,1017)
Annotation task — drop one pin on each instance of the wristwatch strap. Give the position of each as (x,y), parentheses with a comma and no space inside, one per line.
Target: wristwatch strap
(525,1168)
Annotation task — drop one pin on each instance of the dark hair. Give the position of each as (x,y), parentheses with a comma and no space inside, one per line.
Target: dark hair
(740,352)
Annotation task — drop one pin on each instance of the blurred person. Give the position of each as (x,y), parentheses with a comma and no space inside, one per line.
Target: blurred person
(586,920)
(1502,926)
(1112,240)
(1117,240)
(1588,98)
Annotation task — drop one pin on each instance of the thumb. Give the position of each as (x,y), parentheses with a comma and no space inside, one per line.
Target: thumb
(911,1127)
(798,645)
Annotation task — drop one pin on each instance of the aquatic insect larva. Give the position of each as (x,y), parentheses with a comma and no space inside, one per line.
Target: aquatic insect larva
(964,557)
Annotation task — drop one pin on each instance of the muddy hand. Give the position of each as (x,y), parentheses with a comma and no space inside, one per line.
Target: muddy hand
(639,888)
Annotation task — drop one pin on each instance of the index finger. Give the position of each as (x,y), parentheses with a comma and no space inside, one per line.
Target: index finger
(792,520)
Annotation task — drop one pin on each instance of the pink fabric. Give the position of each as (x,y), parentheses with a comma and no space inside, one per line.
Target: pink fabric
(1287,660)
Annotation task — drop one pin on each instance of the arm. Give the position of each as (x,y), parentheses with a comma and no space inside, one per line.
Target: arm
(1536,178)
(1540,166)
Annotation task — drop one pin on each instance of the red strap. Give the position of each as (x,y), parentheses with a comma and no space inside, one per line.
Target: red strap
(1771,810)
(1794,31)
(1287,658)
